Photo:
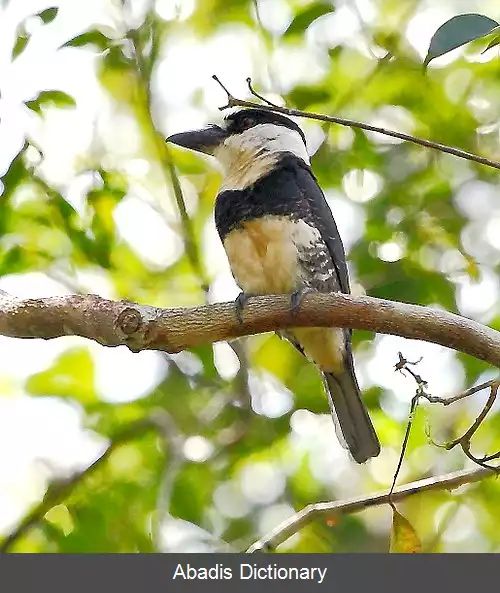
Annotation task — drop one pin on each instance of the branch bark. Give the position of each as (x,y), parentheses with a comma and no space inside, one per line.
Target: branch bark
(327,509)
(142,327)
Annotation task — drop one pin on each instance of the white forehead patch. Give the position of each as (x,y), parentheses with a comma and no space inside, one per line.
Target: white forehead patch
(248,156)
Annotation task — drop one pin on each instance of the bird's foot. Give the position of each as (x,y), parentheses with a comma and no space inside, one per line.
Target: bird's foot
(297,297)
(240,303)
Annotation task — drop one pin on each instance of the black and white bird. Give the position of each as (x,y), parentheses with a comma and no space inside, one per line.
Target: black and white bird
(280,237)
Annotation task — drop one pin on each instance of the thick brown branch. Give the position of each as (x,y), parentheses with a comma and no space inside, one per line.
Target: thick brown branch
(234,102)
(328,509)
(141,327)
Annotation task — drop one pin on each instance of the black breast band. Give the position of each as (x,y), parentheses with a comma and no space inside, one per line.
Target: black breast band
(275,194)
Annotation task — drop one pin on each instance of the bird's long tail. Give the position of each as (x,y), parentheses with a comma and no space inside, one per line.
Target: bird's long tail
(350,412)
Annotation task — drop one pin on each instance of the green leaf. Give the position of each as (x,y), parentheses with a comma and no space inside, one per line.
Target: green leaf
(457,32)
(89,38)
(306,17)
(20,45)
(493,43)
(50,98)
(72,375)
(192,492)
(12,261)
(48,15)
(404,539)
(14,176)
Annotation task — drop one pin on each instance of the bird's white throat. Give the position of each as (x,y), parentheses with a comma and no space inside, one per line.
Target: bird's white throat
(248,156)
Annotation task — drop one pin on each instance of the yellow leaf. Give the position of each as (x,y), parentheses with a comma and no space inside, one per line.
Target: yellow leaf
(61,518)
(404,539)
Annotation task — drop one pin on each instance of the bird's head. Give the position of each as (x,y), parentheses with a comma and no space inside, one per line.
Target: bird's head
(248,141)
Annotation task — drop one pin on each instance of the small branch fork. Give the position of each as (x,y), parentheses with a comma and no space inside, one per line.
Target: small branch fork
(234,102)
(404,366)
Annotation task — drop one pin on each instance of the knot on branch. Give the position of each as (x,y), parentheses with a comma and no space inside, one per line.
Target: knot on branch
(129,321)
(136,323)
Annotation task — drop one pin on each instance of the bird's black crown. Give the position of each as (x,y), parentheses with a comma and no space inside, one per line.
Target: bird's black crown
(248,118)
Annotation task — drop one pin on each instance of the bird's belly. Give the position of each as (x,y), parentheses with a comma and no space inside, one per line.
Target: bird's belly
(263,255)
(323,346)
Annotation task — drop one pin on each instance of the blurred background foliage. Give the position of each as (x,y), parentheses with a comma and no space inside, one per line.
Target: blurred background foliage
(91,202)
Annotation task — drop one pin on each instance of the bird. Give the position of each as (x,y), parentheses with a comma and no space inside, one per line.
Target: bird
(280,237)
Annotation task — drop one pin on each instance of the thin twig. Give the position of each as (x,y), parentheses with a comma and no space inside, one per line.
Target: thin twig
(256,94)
(491,457)
(192,251)
(61,489)
(400,366)
(413,406)
(465,439)
(354,505)
(242,380)
(446,401)
(166,164)
(477,422)
(234,102)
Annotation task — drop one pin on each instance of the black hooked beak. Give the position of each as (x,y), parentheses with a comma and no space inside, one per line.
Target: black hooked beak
(205,140)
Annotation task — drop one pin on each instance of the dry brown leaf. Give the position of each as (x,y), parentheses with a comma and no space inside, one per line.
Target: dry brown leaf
(404,539)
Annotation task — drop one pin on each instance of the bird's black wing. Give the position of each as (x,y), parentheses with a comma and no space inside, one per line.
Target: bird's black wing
(322,219)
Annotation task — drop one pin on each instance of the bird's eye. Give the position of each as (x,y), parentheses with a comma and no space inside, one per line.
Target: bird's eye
(247,122)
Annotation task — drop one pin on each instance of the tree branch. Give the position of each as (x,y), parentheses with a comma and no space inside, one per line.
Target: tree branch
(469,156)
(465,440)
(144,68)
(61,489)
(142,327)
(326,509)
(446,401)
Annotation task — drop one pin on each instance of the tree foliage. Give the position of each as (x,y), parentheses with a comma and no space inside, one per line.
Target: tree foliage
(242,438)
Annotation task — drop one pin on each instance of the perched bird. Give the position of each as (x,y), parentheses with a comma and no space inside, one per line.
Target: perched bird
(280,237)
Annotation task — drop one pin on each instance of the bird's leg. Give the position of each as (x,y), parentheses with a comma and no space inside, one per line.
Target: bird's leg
(297,297)
(240,303)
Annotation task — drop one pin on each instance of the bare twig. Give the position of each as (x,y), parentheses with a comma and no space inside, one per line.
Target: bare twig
(61,489)
(326,509)
(165,159)
(192,250)
(446,401)
(404,365)
(464,440)
(413,406)
(243,377)
(256,94)
(234,102)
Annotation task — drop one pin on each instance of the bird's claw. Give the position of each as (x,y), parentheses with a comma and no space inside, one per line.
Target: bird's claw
(297,297)
(240,303)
